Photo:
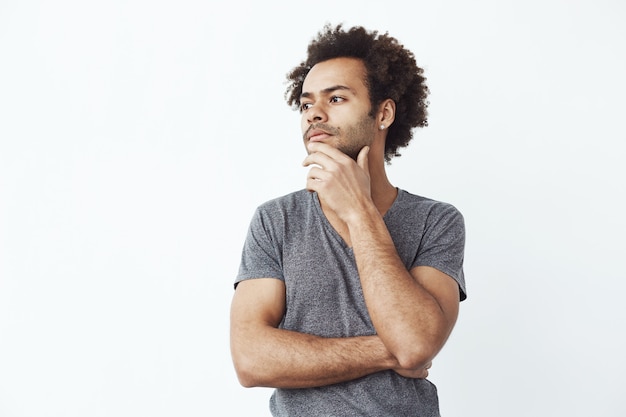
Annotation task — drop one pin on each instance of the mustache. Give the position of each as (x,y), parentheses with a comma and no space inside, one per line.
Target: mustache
(321,126)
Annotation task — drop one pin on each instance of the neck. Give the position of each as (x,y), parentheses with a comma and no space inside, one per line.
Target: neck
(382,191)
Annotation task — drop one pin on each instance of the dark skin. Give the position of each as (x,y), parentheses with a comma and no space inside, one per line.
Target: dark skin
(413,311)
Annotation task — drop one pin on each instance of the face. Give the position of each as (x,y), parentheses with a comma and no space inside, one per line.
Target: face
(335,106)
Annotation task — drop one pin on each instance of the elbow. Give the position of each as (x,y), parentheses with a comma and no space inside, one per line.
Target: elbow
(245,376)
(420,349)
(415,358)
(245,371)
(417,354)
(246,380)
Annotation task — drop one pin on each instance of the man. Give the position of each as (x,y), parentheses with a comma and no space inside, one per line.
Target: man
(349,288)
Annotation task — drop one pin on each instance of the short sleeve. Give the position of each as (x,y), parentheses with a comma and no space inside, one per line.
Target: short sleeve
(443,244)
(261,253)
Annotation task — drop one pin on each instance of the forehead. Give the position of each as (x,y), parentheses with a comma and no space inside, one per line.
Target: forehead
(348,72)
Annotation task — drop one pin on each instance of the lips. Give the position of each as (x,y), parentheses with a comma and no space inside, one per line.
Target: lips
(317,135)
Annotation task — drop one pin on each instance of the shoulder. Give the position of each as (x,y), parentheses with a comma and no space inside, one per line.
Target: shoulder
(279,210)
(297,200)
(293,198)
(425,207)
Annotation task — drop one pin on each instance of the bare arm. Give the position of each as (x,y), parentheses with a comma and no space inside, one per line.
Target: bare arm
(264,355)
(414,311)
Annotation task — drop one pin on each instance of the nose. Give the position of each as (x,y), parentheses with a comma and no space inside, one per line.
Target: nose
(316,114)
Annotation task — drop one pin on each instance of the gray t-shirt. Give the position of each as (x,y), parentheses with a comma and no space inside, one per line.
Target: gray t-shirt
(290,239)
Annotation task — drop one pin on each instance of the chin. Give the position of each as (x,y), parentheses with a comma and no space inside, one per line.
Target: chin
(351,153)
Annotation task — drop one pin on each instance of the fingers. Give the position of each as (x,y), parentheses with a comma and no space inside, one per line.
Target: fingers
(323,161)
(315,175)
(336,175)
(421,373)
(318,158)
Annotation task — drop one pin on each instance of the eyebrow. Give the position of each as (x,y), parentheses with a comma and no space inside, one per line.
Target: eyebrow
(328,90)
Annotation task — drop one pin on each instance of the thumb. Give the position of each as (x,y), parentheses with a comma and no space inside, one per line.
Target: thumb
(362,159)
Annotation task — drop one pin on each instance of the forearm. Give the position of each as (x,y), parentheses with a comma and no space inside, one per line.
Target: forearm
(285,359)
(406,316)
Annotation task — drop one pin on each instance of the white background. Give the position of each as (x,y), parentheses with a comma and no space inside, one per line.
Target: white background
(137,137)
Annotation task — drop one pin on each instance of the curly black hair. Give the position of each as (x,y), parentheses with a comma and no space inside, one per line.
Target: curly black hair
(391,73)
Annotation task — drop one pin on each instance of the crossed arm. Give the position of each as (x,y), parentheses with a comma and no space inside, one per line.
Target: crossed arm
(267,356)
(264,355)
(413,313)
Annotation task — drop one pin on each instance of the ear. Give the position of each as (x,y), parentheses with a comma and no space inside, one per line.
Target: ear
(386,113)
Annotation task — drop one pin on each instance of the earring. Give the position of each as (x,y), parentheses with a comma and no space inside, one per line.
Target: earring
(382,127)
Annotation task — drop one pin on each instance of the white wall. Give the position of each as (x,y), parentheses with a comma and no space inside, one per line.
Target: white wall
(136,139)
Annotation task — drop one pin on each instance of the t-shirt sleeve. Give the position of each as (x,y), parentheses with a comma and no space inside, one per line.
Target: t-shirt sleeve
(443,244)
(261,254)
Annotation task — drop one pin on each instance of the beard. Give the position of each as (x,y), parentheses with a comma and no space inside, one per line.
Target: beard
(351,139)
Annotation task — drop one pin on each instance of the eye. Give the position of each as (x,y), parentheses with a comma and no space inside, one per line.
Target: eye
(305,106)
(336,99)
